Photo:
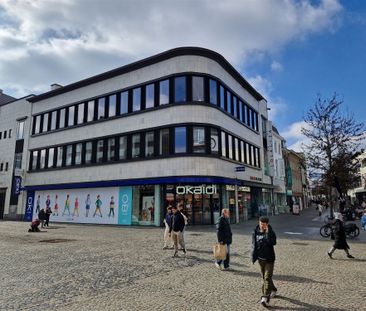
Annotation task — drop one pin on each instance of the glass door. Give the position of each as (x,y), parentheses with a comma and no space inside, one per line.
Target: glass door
(206,210)
(197,209)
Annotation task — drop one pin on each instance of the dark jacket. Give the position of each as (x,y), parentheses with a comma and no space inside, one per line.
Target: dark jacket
(262,245)
(168,219)
(48,213)
(224,234)
(339,235)
(42,215)
(177,222)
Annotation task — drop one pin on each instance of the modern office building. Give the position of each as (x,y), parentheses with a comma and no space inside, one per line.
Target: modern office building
(14,129)
(181,127)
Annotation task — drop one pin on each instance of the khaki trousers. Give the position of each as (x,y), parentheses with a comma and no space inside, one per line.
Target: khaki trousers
(267,273)
(177,237)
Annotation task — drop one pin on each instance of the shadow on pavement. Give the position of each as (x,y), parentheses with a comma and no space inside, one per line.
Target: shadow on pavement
(302,306)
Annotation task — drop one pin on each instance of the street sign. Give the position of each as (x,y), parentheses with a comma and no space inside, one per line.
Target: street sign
(240,169)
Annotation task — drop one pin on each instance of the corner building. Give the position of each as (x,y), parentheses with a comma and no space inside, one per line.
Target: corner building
(181,127)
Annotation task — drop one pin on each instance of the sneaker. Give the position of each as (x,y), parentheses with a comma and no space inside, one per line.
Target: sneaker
(175,254)
(330,255)
(350,256)
(165,247)
(184,251)
(218,266)
(264,301)
(273,294)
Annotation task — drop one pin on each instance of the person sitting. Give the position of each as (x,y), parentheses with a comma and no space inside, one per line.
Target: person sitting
(34,226)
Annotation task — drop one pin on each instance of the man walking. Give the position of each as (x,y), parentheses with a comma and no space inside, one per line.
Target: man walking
(167,222)
(224,236)
(263,241)
(176,230)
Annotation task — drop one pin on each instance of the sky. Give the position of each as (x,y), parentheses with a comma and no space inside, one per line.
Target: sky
(291,51)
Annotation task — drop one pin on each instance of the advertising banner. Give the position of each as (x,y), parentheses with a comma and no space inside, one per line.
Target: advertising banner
(17,185)
(29,206)
(125,206)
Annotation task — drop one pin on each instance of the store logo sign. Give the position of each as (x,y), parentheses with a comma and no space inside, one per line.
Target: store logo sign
(196,189)
(124,205)
(28,215)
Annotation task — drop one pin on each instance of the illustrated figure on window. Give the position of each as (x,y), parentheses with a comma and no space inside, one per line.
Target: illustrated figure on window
(55,209)
(87,205)
(67,205)
(48,202)
(152,209)
(145,212)
(76,208)
(98,206)
(111,207)
(38,205)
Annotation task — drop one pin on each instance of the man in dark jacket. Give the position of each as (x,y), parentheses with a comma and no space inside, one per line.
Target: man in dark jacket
(42,216)
(176,230)
(263,240)
(339,236)
(224,236)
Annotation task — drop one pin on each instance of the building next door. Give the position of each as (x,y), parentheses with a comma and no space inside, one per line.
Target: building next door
(2,202)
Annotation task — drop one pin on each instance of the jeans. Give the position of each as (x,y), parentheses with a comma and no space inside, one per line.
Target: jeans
(227,259)
(267,274)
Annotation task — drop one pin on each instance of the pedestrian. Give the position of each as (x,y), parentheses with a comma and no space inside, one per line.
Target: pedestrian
(363,220)
(48,213)
(263,242)
(180,208)
(320,209)
(34,226)
(224,236)
(176,230)
(339,236)
(167,221)
(42,216)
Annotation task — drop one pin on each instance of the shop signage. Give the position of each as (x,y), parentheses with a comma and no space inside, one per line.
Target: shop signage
(255,178)
(17,184)
(125,206)
(196,189)
(270,148)
(240,169)
(244,189)
(29,207)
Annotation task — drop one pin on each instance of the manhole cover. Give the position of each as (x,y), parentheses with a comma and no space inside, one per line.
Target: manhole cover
(301,244)
(56,241)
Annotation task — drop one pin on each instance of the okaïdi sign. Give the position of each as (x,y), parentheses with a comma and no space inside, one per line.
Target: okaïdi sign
(196,189)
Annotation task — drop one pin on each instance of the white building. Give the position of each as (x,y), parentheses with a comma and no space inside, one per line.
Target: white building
(179,128)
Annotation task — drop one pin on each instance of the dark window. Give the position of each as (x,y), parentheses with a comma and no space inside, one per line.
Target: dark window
(88,152)
(235,106)
(53,120)
(42,162)
(228,99)
(111,149)
(241,111)
(100,150)
(149,144)
(180,140)
(90,116)
(180,89)
(257,157)
(81,108)
(150,96)
(197,89)
(60,154)
(124,102)
(136,145)
(213,92)
(199,140)
(136,99)
(37,126)
(245,120)
(250,124)
(164,92)
(214,141)
(10,131)
(112,105)
(123,147)
(223,144)
(2,133)
(68,155)
(1,167)
(222,97)
(20,130)
(101,108)
(255,121)
(51,154)
(6,166)
(78,151)
(164,142)
(5,134)
(71,117)
(62,118)
(18,160)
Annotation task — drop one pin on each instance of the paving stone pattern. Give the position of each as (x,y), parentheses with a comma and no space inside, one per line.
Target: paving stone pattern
(82,267)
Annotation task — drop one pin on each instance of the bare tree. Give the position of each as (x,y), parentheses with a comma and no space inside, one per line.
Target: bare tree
(333,144)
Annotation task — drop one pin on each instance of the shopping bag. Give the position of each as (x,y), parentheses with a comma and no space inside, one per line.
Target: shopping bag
(219,251)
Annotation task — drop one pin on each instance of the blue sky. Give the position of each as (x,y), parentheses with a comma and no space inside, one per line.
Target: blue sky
(290,50)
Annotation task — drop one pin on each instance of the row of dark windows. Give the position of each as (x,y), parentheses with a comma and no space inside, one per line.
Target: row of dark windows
(154,143)
(179,89)
(4,166)
(5,134)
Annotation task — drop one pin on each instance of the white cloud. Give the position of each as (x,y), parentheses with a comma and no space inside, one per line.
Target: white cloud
(295,140)
(276,66)
(43,42)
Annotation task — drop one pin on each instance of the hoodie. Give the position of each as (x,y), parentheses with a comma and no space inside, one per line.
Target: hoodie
(262,245)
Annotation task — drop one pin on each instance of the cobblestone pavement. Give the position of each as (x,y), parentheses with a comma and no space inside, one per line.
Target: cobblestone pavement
(124,268)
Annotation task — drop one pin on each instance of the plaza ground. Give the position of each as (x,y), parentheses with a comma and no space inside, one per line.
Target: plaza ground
(84,267)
